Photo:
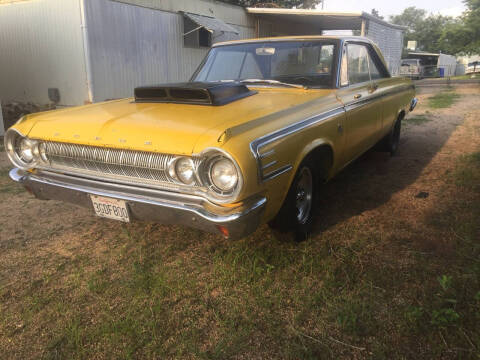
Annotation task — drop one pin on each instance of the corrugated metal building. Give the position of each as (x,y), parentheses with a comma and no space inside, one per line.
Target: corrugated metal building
(92,50)
(78,51)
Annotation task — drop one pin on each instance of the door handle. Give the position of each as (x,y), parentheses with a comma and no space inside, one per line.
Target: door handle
(357,96)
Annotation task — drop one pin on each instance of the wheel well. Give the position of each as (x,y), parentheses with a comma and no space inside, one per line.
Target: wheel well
(322,155)
(401,115)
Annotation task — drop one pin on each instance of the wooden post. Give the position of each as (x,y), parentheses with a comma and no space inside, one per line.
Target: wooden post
(2,126)
(364,27)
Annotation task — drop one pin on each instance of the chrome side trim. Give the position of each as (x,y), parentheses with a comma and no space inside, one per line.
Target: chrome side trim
(277,172)
(257,144)
(270,164)
(358,103)
(267,154)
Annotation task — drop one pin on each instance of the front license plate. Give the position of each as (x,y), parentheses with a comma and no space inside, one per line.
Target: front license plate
(110,208)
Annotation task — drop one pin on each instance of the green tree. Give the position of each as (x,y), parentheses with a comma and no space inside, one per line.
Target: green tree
(471,29)
(301,4)
(376,14)
(445,34)
(428,31)
(410,17)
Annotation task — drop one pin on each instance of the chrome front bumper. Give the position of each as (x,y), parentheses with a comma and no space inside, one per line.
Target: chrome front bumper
(148,204)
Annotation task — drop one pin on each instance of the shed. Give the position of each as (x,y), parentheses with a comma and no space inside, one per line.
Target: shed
(92,50)
(435,62)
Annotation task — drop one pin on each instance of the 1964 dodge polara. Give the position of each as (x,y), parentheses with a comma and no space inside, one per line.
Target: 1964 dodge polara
(249,140)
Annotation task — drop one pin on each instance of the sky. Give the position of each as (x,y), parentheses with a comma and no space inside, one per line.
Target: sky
(392,7)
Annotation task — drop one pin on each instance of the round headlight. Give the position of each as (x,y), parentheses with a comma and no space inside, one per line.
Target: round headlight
(223,174)
(25,150)
(185,171)
(21,151)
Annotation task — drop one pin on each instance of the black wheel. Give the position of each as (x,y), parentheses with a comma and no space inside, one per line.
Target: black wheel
(394,138)
(295,218)
(390,142)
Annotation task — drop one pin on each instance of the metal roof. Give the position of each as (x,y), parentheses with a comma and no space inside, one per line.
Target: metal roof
(323,20)
(211,24)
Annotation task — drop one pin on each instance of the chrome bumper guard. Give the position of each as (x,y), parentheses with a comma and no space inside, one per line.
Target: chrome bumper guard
(148,204)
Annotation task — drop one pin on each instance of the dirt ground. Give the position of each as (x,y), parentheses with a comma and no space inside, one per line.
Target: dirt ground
(391,198)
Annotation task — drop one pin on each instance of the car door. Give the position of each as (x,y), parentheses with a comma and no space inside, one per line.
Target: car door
(357,92)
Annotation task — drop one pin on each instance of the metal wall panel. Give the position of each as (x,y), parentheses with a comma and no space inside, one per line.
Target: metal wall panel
(390,42)
(131,46)
(41,47)
(231,14)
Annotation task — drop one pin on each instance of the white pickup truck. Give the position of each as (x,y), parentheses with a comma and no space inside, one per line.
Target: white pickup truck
(411,68)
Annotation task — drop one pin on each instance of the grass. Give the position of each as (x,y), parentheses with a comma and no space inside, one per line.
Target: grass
(443,99)
(417,119)
(137,290)
(348,295)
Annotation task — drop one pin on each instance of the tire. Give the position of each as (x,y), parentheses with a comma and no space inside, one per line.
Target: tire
(390,142)
(394,138)
(295,218)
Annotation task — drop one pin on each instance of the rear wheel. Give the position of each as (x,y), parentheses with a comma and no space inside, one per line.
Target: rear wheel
(295,218)
(394,138)
(390,142)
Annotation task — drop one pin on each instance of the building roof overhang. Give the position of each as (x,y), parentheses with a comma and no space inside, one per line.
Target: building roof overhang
(323,20)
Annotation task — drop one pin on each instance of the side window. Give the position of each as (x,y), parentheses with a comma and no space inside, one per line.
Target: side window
(357,64)
(374,73)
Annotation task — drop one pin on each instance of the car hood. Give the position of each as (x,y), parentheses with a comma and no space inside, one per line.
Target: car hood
(160,127)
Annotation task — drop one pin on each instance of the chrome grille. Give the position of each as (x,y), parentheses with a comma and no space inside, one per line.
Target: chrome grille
(108,162)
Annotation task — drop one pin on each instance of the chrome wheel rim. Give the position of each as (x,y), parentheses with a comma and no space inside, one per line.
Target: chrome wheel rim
(304,195)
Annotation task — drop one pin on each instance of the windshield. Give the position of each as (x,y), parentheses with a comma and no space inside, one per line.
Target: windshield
(303,63)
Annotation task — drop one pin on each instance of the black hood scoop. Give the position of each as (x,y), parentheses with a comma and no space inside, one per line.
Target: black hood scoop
(198,93)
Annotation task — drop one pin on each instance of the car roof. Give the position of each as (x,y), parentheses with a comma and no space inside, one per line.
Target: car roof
(295,38)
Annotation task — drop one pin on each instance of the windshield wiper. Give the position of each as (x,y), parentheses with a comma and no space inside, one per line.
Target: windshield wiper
(271,82)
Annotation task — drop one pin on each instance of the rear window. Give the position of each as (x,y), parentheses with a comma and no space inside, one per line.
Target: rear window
(409,62)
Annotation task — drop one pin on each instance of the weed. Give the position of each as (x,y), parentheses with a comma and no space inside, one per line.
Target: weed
(445,282)
(444,317)
(414,315)
(443,99)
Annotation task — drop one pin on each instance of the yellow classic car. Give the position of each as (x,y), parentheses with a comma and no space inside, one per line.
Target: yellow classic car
(252,137)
